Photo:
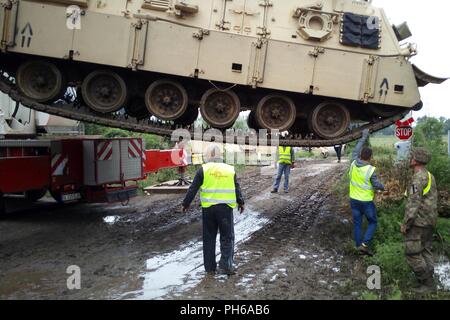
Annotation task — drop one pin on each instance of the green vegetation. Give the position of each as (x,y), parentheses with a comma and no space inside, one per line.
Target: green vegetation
(428,136)
(442,124)
(151,141)
(389,247)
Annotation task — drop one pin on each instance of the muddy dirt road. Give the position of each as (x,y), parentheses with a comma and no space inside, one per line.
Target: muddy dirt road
(287,246)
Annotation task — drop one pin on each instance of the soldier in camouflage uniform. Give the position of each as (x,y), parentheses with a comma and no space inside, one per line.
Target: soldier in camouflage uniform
(420,220)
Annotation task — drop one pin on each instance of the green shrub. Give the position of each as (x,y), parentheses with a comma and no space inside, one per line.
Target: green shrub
(150,141)
(390,218)
(429,129)
(369,296)
(391,259)
(428,134)
(440,167)
(116,133)
(442,237)
(396,293)
(389,246)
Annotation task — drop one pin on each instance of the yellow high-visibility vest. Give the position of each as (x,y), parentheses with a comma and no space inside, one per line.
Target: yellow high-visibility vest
(361,188)
(218,185)
(284,155)
(427,188)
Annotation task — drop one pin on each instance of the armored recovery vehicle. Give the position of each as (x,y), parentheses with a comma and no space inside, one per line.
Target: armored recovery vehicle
(308,67)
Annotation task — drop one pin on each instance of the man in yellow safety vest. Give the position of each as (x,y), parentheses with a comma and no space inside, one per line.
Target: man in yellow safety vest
(219,195)
(286,158)
(363,183)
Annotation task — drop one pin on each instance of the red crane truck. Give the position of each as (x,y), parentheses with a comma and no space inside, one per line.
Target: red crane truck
(78,168)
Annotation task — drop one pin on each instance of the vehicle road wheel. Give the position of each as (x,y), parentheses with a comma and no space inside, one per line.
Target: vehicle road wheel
(104,91)
(40,80)
(220,109)
(276,112)
(167,100)
(330,120)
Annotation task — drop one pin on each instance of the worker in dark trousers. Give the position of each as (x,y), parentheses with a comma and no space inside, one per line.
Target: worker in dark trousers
(219,195)
(338,149)
(363,184)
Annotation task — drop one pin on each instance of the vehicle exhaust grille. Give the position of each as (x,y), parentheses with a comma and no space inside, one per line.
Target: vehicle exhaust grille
(160,5)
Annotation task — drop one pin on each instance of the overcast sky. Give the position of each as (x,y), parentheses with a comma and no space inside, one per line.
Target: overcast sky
(430,26)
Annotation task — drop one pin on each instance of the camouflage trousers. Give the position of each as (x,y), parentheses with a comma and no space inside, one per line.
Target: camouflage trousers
(418,243)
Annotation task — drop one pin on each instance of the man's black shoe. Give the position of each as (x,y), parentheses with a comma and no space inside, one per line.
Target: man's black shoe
(274,191)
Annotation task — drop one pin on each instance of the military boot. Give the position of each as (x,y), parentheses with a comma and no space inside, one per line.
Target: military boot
(425,286)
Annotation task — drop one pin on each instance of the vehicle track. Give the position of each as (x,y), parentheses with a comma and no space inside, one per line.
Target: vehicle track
(78,111)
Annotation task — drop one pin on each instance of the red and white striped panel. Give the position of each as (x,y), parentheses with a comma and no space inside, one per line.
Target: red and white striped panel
(134,149)
(144,158)
(59,164)
(105,151)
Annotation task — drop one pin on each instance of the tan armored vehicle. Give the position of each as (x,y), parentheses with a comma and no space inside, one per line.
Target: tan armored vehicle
(306,66)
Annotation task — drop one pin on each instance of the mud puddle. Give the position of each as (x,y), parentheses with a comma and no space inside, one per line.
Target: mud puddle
(442,273)
(177,271)
(111,219)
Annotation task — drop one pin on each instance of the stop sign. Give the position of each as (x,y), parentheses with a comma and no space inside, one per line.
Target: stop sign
(404,133)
